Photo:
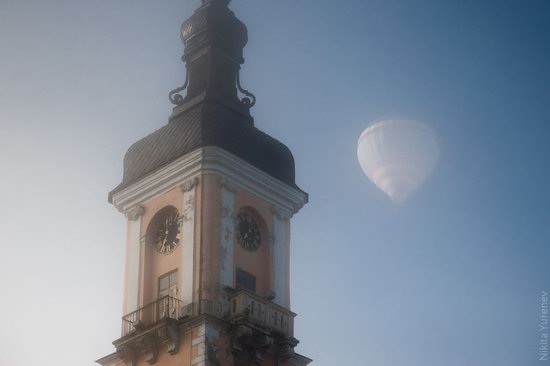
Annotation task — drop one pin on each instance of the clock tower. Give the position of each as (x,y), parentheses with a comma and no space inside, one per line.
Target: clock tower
(209,199)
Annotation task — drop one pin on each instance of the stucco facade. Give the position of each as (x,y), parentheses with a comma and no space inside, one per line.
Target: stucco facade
(209,199)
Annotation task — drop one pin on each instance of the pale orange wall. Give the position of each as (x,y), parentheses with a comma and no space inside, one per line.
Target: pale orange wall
(207,242)
(257,263)
(155,264)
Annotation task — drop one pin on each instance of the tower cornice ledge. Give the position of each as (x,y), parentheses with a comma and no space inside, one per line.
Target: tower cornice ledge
(211,160)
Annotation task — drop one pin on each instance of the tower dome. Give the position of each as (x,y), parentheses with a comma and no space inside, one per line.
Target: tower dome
(211,114)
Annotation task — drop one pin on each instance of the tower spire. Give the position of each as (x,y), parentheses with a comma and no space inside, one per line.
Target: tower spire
(226,2)
(214,40)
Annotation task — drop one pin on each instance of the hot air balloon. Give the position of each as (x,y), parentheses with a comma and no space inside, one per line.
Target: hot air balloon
(398,155)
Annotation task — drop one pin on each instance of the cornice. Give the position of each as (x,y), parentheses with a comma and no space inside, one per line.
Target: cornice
(162,180)
(109,360)
(236,174)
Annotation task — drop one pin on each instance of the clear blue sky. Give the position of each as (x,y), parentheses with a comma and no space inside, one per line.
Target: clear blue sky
(453,277)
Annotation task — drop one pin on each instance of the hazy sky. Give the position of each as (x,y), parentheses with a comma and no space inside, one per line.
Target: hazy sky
(453,277)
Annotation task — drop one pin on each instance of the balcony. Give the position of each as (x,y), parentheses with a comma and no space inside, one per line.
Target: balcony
(243,304)
(261,312)
(166,307)
(257,324)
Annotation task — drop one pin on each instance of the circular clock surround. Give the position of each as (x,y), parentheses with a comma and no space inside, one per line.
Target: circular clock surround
(247,232)
(164,233)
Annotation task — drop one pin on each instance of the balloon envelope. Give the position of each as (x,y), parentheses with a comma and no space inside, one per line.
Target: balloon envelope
(398,156)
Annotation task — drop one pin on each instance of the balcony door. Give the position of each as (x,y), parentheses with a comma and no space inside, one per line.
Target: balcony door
(168,294)
(168,285)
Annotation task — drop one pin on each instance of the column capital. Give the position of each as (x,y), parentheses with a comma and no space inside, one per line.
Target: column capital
(228,185)
(281,214)
(135,212)
(188,185)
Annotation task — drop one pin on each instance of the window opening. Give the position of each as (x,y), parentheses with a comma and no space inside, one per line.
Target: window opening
(168,285)
(246,280)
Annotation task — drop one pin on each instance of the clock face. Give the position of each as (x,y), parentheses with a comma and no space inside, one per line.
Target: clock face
(248,232)
(168,234)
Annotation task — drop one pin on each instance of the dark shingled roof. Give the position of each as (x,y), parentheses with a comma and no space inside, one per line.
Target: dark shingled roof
(201,126)
(211,114)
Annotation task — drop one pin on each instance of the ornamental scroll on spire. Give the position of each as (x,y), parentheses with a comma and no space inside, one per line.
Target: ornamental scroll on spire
(214,40)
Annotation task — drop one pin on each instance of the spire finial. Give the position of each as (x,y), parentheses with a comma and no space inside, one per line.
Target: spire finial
(225,2)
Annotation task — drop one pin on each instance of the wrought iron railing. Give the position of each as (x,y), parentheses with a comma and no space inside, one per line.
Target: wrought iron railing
(262,312)
(242,303)
(165,307)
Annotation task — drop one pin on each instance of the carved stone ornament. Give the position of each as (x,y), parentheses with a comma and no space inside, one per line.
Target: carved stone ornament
(189,208)
(127,354)
(228,234)
(249,345)
(134,213)
(170,334)
(280,214)
(226,211)
(271,240)
(188,185)
(224,256)
(285,348)
(228,185)
(148,345)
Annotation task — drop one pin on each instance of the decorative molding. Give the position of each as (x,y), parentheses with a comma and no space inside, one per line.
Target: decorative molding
(280,213)
(249,345)
(189,208)
(271,240)
(149,345)
(285,349)
(229,185)
(170,334)
(227,225)
(226,211)
(271,295)
(212,160)
(146,341)
(228,234)
(135,213)
(188,185)
(128,354)
(224,255)
(187,222)
(111,360)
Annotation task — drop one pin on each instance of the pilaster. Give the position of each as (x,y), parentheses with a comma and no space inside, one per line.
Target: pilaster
(227,223)
(280,256)
(188,218)
(133,259)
